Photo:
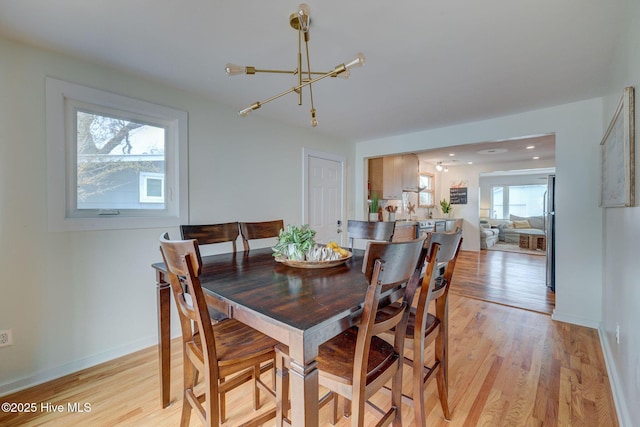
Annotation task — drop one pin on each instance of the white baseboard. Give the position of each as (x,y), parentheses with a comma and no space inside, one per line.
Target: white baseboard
(624,419)
(75,366)
(589,323)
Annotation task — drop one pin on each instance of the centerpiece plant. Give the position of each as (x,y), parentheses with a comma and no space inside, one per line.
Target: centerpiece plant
(298,244)
(294,242)
(445,206)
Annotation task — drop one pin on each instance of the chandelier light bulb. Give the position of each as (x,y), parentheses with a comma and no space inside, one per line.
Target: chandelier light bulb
(314,121)
(303,17)
(245,112)
(234,69)
(439,166)
(357,62)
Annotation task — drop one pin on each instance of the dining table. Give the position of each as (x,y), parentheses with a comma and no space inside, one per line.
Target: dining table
(299,307)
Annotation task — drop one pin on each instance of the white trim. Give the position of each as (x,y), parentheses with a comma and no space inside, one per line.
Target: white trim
(624,419)
(58,94)
(589,323)
(306,154)
(76,365)
(143,182)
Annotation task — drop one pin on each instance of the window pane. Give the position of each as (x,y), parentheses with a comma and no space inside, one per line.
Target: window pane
(112,156)
(497,202)
(526,200)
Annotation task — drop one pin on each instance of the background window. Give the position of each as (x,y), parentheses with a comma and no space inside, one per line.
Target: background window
(520,200)
(426,196)
(113,162)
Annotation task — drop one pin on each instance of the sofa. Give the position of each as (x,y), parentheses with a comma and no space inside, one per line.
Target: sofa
(488,235)
(511,229)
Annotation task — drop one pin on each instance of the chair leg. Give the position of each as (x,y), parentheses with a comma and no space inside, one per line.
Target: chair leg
(418,384)
(442,376)
(282,389)
(256,389)
(443,392)
(223,407)
(396,396)
(189,375)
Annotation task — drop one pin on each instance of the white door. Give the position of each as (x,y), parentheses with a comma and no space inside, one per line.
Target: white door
(324,196)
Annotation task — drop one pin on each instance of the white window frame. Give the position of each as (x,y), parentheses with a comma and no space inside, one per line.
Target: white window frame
(144,178)
(61,97)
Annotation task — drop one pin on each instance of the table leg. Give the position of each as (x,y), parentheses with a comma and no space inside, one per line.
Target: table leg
(303,387)
(163,290)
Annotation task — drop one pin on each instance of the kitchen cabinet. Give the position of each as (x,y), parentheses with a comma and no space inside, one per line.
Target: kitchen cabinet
(410,172)
(391,175)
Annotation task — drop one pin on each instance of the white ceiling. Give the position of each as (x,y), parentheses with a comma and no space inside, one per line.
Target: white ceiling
(429,63)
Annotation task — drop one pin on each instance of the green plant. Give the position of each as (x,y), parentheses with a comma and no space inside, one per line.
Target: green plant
(294,242)
(445,206)
(375,202)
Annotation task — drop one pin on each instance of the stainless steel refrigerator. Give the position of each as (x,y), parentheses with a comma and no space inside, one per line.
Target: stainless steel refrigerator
(550,230)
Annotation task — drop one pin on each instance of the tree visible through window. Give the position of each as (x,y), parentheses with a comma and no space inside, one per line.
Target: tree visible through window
(113,159)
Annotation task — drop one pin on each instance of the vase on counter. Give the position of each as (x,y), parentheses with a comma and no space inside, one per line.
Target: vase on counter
(373,216)
(392,216)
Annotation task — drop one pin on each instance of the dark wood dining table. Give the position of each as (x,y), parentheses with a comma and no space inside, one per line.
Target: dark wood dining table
(299,307)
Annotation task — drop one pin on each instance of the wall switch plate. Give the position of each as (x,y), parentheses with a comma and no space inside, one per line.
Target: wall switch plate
(6,338)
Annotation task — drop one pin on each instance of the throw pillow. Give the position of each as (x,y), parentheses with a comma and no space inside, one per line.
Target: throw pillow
(521,224)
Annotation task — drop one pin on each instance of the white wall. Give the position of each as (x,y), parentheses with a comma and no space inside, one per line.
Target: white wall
(77,298)
(621,270)
(578,129)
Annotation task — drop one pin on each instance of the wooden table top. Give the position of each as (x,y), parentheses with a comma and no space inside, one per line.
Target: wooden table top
(301,299)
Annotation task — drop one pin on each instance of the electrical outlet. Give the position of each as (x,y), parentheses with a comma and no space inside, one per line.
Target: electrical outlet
(6,338)
(617,333)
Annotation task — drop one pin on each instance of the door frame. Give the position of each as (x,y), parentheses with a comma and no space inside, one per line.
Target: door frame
(306,155)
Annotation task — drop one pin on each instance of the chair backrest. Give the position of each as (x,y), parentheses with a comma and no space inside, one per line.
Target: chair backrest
(207,234)
(442,252)
(183,262)
(379,231)
(385,264)
(259,230)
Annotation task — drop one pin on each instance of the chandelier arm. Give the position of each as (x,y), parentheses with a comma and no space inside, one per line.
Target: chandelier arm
(339,69)
(315,73)
(299,64)
(276,71)
(314,121)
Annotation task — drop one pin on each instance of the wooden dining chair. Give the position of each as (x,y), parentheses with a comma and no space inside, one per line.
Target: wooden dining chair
(425,329)
(208,234)
(225,354)
(357,363)
(380,231)
(259,230)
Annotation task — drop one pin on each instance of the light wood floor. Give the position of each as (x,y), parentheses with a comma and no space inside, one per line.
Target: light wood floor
(508,367)
(508,278)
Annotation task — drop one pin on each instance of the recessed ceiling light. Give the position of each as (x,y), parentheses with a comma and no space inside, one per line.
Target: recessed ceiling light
(452,154)
(469,163)
(536,158)
(492,151)
(531,147)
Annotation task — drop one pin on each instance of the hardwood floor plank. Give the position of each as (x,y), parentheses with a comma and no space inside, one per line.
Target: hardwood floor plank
(508,278)
(508,367)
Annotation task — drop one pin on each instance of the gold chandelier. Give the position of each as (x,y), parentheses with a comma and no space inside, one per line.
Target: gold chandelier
(299,21)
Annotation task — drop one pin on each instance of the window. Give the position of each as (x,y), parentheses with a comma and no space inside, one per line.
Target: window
(113,162)
(426,196)
(520,200)
(152,188)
